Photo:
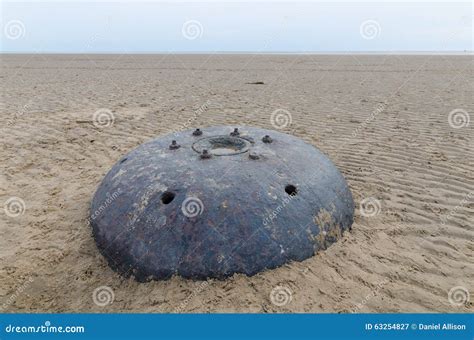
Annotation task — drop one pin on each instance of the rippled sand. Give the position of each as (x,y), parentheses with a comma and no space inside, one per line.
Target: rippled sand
(383,120)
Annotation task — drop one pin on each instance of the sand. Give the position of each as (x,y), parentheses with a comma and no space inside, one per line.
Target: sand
(382,119)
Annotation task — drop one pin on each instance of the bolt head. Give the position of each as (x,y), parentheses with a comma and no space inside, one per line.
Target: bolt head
(205,154)
(267,139)
(254,156)
(197,132)
(174,145)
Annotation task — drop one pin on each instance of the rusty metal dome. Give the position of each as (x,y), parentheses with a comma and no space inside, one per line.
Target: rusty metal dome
(216,201)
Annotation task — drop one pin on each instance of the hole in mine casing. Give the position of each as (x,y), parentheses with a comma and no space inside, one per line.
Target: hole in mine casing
(291,190)
(167,197)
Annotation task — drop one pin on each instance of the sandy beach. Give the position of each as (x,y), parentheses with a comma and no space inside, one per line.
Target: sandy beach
(395,125)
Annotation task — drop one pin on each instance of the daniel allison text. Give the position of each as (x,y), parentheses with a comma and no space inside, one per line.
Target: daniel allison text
(441,326)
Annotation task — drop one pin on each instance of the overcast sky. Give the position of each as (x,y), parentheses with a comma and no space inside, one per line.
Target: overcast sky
(156,26)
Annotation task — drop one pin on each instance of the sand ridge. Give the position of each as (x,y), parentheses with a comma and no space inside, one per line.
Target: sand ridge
(383,120)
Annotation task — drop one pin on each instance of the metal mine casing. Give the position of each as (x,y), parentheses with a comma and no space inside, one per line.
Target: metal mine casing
(216,201)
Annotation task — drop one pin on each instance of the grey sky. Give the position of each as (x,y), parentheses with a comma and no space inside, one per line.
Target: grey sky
(238,26)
